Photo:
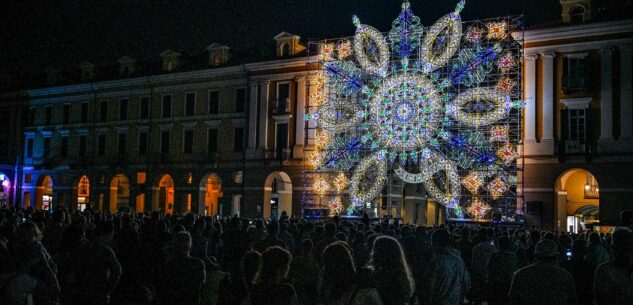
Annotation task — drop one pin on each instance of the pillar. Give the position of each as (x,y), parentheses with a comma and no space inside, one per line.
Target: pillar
(606,100)
(547,141)
(263,115)
(297,151)
(252,118)
(626,107)
(312,90)
(530,102)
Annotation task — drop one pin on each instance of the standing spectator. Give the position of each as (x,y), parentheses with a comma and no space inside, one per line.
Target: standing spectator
(304,272)
(481,254)
(235,243)
(29,273)
(272,287)
(98,269)
(626,219)
(390,273)
(337,280)
(285,236)
(501,268)
(183,275)
(544,282)
(446,279)
(199,241)
(613,284)
(597,253)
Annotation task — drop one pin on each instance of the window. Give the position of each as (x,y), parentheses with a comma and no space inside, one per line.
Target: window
(123,109)
(285,49)
(63,151)
(122,143)
(575,130)
(238,144)
(577,14)
(283,96)
(29,148)
(101,145)
(84,113)
(166,106)
(103,113)
(82,146)
(47,146)
(144,111)
(574,73)
(142,143)
(212,140)
(141,177)
(188,142)
(164,142)
(214,102)
(49,115)
(240,99)
(28,178)
(190,104)
(66,114)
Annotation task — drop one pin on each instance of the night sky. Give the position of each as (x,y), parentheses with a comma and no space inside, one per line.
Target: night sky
(66,33)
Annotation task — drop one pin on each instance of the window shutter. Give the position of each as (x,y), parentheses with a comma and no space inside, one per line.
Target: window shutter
(564,132)
(588,133)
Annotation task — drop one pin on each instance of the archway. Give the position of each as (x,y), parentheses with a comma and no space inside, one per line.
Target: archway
(83,192)
(5,189)
(277,195)
(165,194)
(577,202)
(44,193)
(210,194)
(119,193)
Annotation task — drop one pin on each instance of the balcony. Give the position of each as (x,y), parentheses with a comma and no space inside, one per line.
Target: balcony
(282,106)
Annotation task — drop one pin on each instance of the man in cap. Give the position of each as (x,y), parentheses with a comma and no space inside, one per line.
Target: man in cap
(543,282)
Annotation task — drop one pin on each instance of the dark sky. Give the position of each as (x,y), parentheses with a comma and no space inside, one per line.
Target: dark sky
(68,32)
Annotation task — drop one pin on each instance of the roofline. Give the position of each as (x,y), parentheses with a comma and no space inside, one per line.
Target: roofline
(574,31)
(171,77)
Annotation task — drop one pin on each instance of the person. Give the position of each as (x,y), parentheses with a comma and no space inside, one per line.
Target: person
(337,279)
(597,253)
(199,241)
(446,279)
(304,272)
(480,256)
(544,282)
(30,275)
(183,275)
(271,286)
(613,283)
(273,238)
(389,272)
(626,219)
(98,270)
(235,243)
(501,268)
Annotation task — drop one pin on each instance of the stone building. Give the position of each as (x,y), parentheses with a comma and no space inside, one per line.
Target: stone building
(578,136)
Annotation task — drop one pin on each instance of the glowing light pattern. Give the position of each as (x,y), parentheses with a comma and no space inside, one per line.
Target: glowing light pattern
(499,133)
(478,208)
(501,106)
(497,188)
(321,186)
(373,170)
(341,182)
(497,30)
(507,154)
(472,182)
(429,106)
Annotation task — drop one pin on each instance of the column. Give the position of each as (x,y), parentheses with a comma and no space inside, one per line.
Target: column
(297,152)
(606,100)
(530,100)
(312,90)
(547,140)
(252,118)
(626,107)
(263,115)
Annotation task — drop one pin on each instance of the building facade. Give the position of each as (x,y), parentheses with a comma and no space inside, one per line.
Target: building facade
(229,138)
(578,140)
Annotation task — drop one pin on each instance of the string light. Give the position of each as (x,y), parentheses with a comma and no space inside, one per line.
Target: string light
(475,119)
(379,62)
(374,167)
(472,182)
(497,188)
(340,182)
(497,30)
(499,133)
(478,208)
(321,186)
(507,154)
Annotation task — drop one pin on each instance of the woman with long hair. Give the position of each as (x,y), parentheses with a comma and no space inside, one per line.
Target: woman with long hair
(272,286)
(390,272)
(337,279)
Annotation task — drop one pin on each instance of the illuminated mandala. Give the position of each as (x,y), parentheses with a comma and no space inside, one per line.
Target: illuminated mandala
(401,96)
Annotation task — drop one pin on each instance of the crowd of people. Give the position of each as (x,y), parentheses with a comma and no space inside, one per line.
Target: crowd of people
(93,258)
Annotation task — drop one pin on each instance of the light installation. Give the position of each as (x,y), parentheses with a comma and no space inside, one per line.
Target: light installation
(437,106)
